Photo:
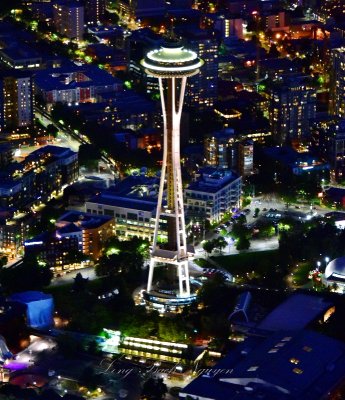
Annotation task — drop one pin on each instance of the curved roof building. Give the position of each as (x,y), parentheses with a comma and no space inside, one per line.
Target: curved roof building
(335,270)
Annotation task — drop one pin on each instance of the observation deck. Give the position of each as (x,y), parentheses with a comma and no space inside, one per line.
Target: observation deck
(172,60)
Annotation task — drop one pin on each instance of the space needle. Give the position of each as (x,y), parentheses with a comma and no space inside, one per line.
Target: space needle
(172,64)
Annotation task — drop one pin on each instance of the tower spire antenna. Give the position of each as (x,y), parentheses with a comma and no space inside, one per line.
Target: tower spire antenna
(170,33)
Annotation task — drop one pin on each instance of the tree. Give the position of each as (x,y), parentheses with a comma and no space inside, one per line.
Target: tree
(52,130)
(220,243)
(273,52)
(27,276)
(68,345)
(6,7)
(172,330)
(89,156)
(89,378)
(242,243)
(208,246)
(79,283)
(3,261)
(154,389)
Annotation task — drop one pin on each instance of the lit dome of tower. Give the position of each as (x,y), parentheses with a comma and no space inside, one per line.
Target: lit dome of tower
(172,60)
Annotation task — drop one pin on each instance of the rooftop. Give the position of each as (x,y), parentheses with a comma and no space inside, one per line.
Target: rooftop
(285,366)
(212,179)
(62,78)
(295,313)
(82,220)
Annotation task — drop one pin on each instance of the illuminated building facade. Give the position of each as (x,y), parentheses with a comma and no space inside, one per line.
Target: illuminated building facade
(91,230)
(171,64)
(202,89)
(132,202)
(42,172)
(219,148)
(337,92)
(336,151)
(69,19)
(225,149)
(214,192)
(292,106)
(245,158)
(16,101)
(94,11)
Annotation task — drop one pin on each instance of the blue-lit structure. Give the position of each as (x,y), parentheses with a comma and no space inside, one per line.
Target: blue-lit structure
(5,354)
(39,308)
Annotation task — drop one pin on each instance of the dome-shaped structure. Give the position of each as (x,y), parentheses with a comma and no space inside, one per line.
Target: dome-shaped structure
(335,270)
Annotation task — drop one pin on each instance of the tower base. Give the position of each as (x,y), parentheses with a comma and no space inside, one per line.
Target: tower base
(167,302)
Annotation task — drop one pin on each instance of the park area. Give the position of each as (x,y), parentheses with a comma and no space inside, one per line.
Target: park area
(258,268)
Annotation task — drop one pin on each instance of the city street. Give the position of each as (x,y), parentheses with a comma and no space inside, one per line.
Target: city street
(88,272)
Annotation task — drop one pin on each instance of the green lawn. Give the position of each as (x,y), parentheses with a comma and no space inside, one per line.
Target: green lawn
(300,274)
(261,262)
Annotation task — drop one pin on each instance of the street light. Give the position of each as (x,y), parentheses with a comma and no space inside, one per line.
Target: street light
(318,264)
(327,260)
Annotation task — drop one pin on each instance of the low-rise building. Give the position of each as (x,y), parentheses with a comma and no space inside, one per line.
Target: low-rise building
(132,202)
(41,173)
(52,250)
(74,84)
(287,365)
(213,193)
(91,231)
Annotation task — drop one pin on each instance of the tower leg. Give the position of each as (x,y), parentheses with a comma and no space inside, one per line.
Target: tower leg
(183,278)
(149,281)
(186,275)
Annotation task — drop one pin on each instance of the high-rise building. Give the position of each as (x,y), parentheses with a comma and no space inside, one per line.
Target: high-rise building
(94,11)
(69,19)
(292,106)
(225,149)
(171,64)
(202,89)
(219,149)
(337,92)
(336,150)
(245,157)
(16,100)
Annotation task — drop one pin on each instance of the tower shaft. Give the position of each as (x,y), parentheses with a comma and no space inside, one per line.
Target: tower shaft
(172,93)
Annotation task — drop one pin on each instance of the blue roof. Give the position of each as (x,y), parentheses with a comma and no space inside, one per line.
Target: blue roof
(50,79)
(212,179)
(287,365)
(84,220)
(56,151)
(69,228)
(295,313)
(30,296)
(116,201)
